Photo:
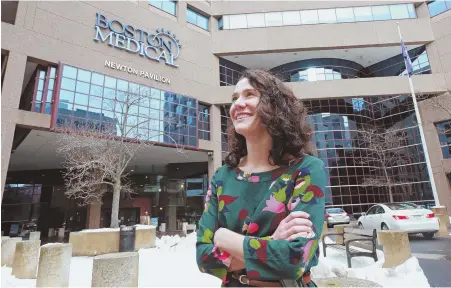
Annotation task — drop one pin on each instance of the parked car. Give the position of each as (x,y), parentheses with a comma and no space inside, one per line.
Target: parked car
(336,215)
(400,216)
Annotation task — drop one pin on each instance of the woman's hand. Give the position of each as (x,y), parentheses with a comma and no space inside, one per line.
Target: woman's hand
(295,225)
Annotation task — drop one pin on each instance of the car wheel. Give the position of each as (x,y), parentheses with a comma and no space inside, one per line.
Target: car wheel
(384,226)
(428,235)
(360,226)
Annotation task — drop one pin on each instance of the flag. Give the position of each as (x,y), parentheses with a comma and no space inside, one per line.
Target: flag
(407,60)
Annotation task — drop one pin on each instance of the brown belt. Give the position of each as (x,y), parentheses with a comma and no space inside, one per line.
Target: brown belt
(243,279)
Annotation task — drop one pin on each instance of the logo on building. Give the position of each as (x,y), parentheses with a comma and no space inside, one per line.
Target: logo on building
(160,45)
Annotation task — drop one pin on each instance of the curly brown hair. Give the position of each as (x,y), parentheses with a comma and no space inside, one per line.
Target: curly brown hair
(284,117)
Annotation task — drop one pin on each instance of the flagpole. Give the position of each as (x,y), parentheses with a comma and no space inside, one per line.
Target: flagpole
(420,128)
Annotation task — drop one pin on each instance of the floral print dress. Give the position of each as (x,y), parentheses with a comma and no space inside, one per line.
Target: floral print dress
(253,205)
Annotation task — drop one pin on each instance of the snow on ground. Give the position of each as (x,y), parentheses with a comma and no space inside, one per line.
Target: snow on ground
(176,266)
(409,274)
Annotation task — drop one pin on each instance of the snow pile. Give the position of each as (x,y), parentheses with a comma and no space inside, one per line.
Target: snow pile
(140,227)
(99,230)
(173,263)
(409,274)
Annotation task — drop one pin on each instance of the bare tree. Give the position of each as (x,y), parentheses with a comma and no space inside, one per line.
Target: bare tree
(97,153)
(383,153)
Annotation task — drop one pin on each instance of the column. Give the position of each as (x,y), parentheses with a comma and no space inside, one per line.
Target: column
(215,159)
(93,216)
(181,12)
(11,92)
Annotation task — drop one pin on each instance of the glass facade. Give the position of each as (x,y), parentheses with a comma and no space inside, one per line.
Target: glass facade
(437,7)
(204,122)
(357,178)
(229,72)
(319,16)
(444,136)
(333,68)
(21,208)
(196,18)
(123,108)
(45,83)
(167,6)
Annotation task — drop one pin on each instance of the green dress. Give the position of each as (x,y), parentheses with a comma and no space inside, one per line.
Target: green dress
(253,205)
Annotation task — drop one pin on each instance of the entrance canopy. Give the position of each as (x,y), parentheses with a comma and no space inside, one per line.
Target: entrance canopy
(38,152)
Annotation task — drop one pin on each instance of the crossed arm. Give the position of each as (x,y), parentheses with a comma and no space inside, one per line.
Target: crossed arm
(283,255)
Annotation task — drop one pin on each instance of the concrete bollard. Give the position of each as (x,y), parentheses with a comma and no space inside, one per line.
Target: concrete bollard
(54,265)
(9,249)
(339,239)
(51,232)
(61,232)
(145,237)
(396,247)
(116,270)
(36,235)
(325,230)
(26,259)
(443,219)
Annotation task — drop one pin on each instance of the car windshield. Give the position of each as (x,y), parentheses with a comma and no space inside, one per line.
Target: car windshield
(335,210)
(403,206)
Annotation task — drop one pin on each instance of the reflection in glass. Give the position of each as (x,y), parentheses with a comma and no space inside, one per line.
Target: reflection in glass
(291,18)
(327,16)
(84,75)
(437,7)
(88,107)
(363,14)
(68,84)
(82,87)
(66,96)
(381,12)
(254,20)
(399,11)
(69,72)
(273,19)
(97,79)
(238,21)
(345,15)
(309,17)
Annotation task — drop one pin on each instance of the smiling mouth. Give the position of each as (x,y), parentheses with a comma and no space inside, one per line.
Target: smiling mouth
(241,117)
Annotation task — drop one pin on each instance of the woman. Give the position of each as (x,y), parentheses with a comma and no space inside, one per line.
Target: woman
(264,211)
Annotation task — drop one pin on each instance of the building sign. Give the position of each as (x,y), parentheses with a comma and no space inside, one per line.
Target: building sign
(142,73)
(160,45)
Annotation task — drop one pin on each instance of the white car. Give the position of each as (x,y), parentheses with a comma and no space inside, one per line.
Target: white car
(400,216)
(336,215)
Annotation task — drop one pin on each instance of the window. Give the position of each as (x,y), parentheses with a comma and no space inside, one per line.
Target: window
(9,11)
(197,19)
(345,15)
(309,17)
(204,122)
(327,16)
(238,21)
(291,18)
(381,12)
(399,11)
(167,6)
(331,15)
(444,135)
(253,20)
(93,100)
(363,14)
(273,19)
(437,7)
